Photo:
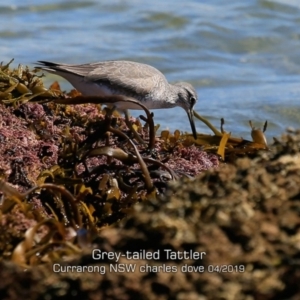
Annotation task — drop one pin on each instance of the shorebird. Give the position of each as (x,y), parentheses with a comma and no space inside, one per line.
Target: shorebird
(139,81)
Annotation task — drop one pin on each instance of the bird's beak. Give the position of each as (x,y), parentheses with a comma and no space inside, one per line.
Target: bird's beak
(191,118)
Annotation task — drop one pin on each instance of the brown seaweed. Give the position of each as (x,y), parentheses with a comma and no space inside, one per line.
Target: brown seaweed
(103,163)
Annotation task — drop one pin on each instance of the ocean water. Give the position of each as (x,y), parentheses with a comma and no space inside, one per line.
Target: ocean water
(241,56)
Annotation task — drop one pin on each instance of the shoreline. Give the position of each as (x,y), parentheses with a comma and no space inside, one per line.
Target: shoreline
(243,214)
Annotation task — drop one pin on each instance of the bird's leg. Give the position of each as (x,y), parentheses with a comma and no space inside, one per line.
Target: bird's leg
(131,128)
(110,110)
(108,116)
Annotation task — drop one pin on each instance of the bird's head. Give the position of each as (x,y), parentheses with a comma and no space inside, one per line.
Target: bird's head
(187,98)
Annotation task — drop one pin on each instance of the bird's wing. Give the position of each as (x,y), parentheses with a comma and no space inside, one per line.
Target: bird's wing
(60,69)
(133,77)
(125,76)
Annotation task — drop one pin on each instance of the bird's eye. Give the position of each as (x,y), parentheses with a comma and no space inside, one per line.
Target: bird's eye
(193,101)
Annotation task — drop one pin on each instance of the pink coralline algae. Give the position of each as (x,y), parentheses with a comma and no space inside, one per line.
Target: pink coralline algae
(191,160)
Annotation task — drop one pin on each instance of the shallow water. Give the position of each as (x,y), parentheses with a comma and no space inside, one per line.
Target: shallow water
(241,56)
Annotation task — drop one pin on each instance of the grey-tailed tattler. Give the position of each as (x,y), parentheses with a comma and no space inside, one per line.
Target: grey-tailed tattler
(139,81)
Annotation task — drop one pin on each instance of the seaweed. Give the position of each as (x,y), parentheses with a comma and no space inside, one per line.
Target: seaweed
(92,166)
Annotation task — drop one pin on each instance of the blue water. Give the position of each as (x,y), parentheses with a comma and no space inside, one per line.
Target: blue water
(241,56)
